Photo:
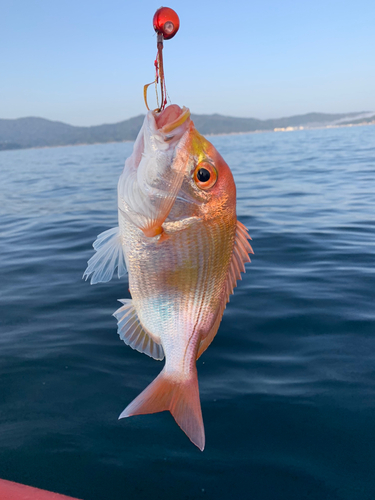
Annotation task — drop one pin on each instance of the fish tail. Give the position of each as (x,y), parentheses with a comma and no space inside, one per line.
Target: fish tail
(180,397)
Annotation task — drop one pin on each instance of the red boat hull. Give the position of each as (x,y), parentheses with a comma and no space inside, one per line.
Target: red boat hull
(16,491)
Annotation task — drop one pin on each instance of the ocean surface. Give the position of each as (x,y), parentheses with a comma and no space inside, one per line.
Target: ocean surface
(288,385)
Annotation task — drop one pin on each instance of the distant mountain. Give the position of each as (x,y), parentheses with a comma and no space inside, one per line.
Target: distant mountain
(39,132)
(219,124)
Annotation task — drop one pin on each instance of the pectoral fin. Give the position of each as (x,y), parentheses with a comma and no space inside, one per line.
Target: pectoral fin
(240,256)
(108,255)
(133,334)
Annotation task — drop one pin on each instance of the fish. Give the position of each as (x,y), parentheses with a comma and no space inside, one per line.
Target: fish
(180,241)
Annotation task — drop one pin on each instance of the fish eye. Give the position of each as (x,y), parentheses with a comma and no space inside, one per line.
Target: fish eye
(205,175)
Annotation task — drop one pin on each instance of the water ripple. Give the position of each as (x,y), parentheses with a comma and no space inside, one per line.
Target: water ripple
(287,387)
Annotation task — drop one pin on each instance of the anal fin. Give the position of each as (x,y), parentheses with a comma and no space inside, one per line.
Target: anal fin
(132,332)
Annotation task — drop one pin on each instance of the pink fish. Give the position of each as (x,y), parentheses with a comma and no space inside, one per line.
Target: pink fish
(184,249)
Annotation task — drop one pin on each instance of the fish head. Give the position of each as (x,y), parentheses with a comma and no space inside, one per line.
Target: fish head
(208,190)
(174,173)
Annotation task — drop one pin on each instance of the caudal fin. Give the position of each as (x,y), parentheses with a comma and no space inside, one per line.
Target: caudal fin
(180,398)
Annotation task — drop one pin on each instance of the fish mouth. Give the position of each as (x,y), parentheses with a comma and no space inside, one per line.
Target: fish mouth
(171,118)
(154,173)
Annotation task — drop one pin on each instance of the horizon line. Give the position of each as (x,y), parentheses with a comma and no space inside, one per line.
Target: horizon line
(354,113)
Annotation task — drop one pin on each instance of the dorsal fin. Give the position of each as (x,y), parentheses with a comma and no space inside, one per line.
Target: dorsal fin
(132,332)
(240,256)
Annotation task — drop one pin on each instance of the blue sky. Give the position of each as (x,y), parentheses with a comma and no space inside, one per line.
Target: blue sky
(85,62)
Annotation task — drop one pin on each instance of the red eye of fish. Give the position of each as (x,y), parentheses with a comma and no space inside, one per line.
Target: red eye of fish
(205,175)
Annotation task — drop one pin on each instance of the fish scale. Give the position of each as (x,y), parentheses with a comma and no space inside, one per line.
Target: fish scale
(194,285)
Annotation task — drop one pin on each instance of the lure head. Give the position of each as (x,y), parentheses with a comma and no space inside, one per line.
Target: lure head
(166,21)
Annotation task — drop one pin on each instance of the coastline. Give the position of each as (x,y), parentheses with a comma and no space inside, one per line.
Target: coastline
(277,129)
(295,129)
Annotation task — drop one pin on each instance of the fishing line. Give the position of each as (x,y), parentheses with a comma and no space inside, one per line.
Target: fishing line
(166,24)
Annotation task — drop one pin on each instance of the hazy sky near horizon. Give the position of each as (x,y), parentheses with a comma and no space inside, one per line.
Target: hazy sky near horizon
(85,62)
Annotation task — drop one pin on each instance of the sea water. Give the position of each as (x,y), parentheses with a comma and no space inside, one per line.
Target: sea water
(288,385)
